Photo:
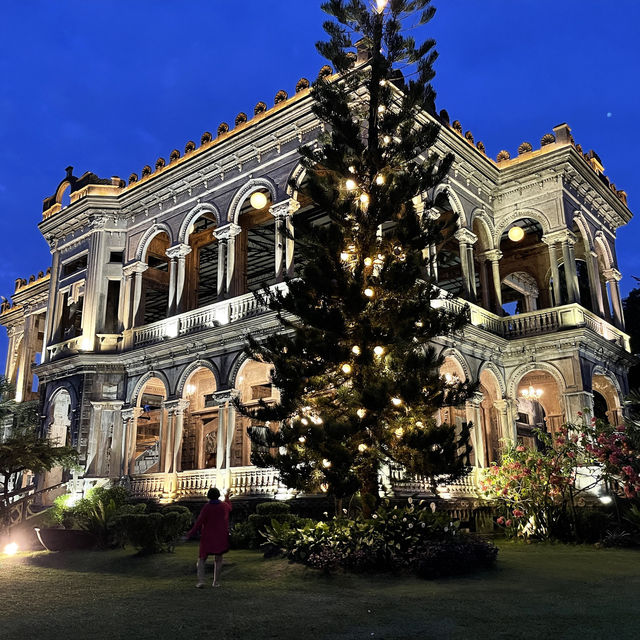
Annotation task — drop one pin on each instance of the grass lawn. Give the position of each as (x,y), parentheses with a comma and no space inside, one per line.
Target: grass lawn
(535,592)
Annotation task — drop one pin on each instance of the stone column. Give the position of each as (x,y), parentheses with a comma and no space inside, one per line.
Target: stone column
(578,402)
(171,302)
(226,256)
(175,424)
(226,428)
(25,359)
(474,415)
(507,410)
(134,271)
(484,282)
(551,240)
(594,283)
(284,237)
(494,256)
(130,427)
(570,275)
(613,276)
(103,453)
(466,240)
(54,301)
(177,254)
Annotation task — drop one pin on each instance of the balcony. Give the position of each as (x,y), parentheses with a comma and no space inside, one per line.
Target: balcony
(535,323)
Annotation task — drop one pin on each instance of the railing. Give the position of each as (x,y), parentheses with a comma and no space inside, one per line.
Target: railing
(31,504)
(465,487)
(148,458)
(532,323)
(213,315)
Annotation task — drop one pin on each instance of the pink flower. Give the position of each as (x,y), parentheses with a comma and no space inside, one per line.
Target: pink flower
(571,454)
(500,520)
(518,513)
(519,448)
(508,523)
(580,413)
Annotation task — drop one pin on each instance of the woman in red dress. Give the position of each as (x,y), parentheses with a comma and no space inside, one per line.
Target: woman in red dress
(214,523)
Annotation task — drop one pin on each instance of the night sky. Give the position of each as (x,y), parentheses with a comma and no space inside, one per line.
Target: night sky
(111,86)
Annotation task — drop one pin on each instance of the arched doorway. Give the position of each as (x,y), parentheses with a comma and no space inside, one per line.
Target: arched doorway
(539,405)
(149,426)
(201,287)
(490,390)
(155,281)
(606,399)
(200,439)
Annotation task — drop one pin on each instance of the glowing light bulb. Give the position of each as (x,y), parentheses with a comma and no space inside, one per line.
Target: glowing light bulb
(378,350)
(302,439)
(379,180)
(419,424)
(326,463)
(368,292)
(399,432)
(304,421)
(381,4)
(364,199)
(361,413)
(383,82)
(386,139)
(419,324)
(396,402)
(258,200)
(362,447)
(368,262)
(352,169)
(344,256)
(516,234)
(355,349)
(11,549)
(382,108)
(350,184)
(346,368)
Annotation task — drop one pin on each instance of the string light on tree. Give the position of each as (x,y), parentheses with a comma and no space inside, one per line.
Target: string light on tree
(361,413)
(368,262)
(355,350)
(378,350)
(369,292)
(302,439)
(350,184)
(362,447)
(346,368)
(326,463)
(396,402)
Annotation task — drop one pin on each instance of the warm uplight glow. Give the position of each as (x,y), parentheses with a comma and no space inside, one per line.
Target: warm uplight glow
(361,413)
(396,402)
(11,549)
(346,368)
(362,447)
(368,262)
(378,350)
(531,393)
(326,463)
(355,349)
(606,499)
(258,200)
(350,184)
(516,234)
(368,292)
(381,4)
(190,389)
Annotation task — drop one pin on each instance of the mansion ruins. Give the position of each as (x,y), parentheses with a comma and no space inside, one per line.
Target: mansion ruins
(132,340)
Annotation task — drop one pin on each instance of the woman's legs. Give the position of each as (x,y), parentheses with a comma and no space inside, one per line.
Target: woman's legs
(217,568)
(201,576)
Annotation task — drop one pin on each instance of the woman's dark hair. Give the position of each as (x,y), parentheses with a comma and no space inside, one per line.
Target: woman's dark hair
(213,493)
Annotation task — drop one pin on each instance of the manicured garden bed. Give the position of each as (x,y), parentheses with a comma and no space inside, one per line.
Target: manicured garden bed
(535,591)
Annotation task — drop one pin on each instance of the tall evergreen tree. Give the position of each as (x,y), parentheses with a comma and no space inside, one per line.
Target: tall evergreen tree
(358,376)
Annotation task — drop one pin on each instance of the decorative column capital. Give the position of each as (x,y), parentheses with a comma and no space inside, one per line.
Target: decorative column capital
(134,267)
(225,395)
(612,274)
(230,230)
(284,209)
(178,406)
(464,236)
(562,236)
(495,255)
(475,399)
(130,413)
(107,405)
(178,251)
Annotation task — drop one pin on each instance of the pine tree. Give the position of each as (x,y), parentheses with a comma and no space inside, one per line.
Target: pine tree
(358,375)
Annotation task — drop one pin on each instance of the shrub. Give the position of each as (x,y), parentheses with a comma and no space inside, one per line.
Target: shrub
(411,538)
(153,532)
(250,534)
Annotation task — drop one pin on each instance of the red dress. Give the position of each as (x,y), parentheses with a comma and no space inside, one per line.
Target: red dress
(214,522)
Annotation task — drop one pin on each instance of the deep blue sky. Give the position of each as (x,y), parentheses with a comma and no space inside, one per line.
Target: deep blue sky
(110,86)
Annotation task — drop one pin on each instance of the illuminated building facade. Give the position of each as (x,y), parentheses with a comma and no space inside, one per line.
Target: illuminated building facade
(142,316)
